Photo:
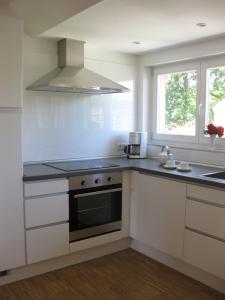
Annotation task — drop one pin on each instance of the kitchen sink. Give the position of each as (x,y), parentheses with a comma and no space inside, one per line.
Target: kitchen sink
(218,175)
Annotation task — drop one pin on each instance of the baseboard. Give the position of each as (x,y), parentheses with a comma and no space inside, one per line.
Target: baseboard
(64,261)
(85,255)
(189,270)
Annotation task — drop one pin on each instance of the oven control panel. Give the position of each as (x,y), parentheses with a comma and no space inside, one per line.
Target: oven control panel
(93,180)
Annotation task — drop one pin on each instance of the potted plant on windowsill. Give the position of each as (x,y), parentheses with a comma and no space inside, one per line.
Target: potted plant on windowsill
(213,131)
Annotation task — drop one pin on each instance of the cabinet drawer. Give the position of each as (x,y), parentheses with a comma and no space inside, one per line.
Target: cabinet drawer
(45,187)
(47,242)
(205,253)
(206,218)
(206,194)
(46,210)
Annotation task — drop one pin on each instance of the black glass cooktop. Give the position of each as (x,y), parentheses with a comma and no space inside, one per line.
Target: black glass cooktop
(81,165)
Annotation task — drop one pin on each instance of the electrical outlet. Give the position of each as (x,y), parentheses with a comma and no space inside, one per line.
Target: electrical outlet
(120,147)
(3,273)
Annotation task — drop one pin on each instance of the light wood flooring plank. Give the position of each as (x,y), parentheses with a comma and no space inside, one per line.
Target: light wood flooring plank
(125,275)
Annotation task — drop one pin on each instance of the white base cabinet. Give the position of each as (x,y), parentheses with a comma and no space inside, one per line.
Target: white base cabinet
(158,213)
(46,210)
(204,244)
(47,215)
(46,219)
(205,253)
(206,218)
(185,221)
(47,242)
(45,187)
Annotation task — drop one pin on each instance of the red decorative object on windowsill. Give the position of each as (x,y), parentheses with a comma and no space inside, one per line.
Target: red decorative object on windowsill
(214,130)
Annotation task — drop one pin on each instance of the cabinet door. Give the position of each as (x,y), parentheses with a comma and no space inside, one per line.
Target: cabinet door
(12,245)
(11,36)
(206,218)
(46,210)
(47,242)
(205,253)
(158,213)
(45,187)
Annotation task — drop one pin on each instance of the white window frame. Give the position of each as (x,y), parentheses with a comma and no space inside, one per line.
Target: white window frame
(205,64)
(176,67)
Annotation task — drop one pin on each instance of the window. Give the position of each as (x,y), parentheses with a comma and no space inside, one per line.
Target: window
(186,98)
(177,96)
(215,96)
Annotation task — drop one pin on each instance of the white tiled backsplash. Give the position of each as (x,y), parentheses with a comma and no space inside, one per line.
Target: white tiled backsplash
(74,126)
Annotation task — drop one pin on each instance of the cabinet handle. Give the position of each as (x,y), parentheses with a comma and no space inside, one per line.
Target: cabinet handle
(97,193)
(206,202)
(205,234)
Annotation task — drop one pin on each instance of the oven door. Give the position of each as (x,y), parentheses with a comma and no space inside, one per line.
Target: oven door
(95,211)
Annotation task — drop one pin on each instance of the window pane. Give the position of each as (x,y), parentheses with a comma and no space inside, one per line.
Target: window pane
(177,94)
(215,95)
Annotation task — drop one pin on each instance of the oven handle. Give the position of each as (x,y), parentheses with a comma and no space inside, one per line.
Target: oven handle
(97,193)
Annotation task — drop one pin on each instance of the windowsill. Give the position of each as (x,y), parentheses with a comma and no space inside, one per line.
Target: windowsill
(188,146)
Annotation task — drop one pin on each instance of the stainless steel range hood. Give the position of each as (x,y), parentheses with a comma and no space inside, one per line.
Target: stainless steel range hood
(72,77)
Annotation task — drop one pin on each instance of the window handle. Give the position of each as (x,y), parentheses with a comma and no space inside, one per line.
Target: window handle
(200,107)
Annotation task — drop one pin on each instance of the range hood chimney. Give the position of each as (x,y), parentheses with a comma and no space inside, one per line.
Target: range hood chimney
(72,77)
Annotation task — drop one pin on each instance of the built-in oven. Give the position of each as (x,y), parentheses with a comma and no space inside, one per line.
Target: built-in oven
(95,205)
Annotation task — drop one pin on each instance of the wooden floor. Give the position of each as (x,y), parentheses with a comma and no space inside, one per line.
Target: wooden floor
(123,275)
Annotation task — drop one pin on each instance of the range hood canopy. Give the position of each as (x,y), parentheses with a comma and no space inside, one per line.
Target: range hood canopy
(72,77)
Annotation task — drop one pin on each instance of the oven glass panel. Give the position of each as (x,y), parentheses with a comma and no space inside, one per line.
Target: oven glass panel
(92,210)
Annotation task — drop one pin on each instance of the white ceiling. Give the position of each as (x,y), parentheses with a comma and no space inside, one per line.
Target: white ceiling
(40,15)
(114,24)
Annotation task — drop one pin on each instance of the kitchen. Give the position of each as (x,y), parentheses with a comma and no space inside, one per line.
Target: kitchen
(61,126)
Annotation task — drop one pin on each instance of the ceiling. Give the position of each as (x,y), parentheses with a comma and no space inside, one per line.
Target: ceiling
(115,24)
(40,15)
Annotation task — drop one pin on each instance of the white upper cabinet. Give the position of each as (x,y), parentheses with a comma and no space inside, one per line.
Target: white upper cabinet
(10,62)
(158,213)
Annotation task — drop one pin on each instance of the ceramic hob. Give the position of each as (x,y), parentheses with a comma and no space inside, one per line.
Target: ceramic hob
(81,165)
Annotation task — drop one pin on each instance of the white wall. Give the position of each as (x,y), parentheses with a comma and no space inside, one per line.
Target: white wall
(206,48)
(63,126)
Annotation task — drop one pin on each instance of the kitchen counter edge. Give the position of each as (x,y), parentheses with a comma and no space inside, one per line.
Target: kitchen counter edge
(146,166)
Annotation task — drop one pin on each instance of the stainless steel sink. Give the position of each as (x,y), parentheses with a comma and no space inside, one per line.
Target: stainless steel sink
(218,175)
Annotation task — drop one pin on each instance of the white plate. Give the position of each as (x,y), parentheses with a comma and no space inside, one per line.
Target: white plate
(169,167)
(184,169)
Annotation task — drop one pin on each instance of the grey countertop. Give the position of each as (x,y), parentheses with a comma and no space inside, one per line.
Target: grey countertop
(40,171)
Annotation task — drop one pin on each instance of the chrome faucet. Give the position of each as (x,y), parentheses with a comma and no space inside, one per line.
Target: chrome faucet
(166,149)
